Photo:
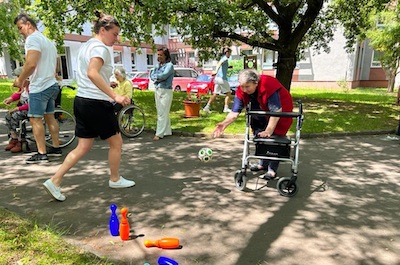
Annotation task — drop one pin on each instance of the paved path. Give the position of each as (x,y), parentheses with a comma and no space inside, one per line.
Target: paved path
(346,211)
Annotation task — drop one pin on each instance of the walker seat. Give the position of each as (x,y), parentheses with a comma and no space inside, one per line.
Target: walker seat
(274,146)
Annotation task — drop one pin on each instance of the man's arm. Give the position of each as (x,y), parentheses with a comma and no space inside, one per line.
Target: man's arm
(32,57)
(217,68)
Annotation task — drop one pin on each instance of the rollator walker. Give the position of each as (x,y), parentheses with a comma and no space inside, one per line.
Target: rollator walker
(280,148)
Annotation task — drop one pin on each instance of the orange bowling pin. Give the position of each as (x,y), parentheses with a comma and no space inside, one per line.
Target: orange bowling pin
(124,225)
(166,242)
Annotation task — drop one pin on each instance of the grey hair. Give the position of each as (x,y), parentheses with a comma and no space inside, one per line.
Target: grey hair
(248,76)
(120,71)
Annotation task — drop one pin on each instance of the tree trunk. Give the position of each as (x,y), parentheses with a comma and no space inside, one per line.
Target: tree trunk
(285,67)
(391,82)
(390,73)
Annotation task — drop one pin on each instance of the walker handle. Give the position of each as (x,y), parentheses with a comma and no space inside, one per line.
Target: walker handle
(275,114)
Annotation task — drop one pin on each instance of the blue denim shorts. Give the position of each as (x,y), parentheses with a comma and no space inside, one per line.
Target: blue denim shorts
(43,102)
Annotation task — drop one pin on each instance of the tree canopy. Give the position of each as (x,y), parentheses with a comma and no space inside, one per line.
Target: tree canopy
(9,36)
(384,34)
(284,26)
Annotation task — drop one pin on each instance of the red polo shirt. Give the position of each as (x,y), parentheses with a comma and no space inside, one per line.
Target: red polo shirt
(266,87)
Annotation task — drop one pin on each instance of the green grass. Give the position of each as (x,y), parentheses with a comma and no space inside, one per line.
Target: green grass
(325,110)
(24,242)
(356,110)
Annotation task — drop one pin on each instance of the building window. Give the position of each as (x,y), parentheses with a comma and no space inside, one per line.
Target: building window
(269,58)
(247,52)
(117,57)
(150,60)
(133,60)
(63,65)
(192,59)
(208,65)
(173,33)
(174,58)
(376,62)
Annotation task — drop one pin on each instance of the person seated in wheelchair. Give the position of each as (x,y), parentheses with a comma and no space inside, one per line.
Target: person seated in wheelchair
(264,93)
(15,115)
(122,86)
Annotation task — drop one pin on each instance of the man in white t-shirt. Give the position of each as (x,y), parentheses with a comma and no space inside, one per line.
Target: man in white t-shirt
(221,86)
(40,67)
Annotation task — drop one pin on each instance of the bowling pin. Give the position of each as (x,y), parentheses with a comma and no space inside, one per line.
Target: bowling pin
(114,222)
(167,242)
(166,261)
(124,226)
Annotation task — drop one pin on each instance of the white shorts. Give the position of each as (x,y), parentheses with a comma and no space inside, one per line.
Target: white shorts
(221,86)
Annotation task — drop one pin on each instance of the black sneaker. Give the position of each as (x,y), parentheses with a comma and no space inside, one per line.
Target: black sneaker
(37,158)
(54,151)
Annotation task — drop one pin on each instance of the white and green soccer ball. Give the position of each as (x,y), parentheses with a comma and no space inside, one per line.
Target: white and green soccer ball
(205,154)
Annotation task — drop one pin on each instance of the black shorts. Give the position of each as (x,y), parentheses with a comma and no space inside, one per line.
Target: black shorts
(95,118)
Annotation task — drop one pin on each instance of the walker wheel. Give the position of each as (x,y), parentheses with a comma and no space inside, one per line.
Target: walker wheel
(240,180)
(284,189)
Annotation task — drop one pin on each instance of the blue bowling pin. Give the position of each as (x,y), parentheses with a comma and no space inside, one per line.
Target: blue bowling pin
(114,222)
(166,261)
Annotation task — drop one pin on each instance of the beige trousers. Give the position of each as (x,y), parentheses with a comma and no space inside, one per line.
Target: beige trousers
(163,98)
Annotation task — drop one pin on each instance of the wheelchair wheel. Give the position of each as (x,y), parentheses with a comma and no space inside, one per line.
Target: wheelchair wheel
(25,147)
(240,180)
(66,122)
(131,121)
(285,189)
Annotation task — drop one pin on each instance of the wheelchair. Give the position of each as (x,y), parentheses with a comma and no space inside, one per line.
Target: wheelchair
(66,122)
(131,120)
(278,148)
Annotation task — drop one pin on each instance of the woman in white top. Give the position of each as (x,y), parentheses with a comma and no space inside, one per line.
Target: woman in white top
(93,105)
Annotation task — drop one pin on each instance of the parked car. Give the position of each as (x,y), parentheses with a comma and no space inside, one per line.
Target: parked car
(204,84)
(233,83)
(141,81)
(132,75)
(182,77)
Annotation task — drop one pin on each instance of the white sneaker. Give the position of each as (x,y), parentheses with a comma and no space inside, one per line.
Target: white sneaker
(53,190)
(121,183)
(207,109)
(227,110)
